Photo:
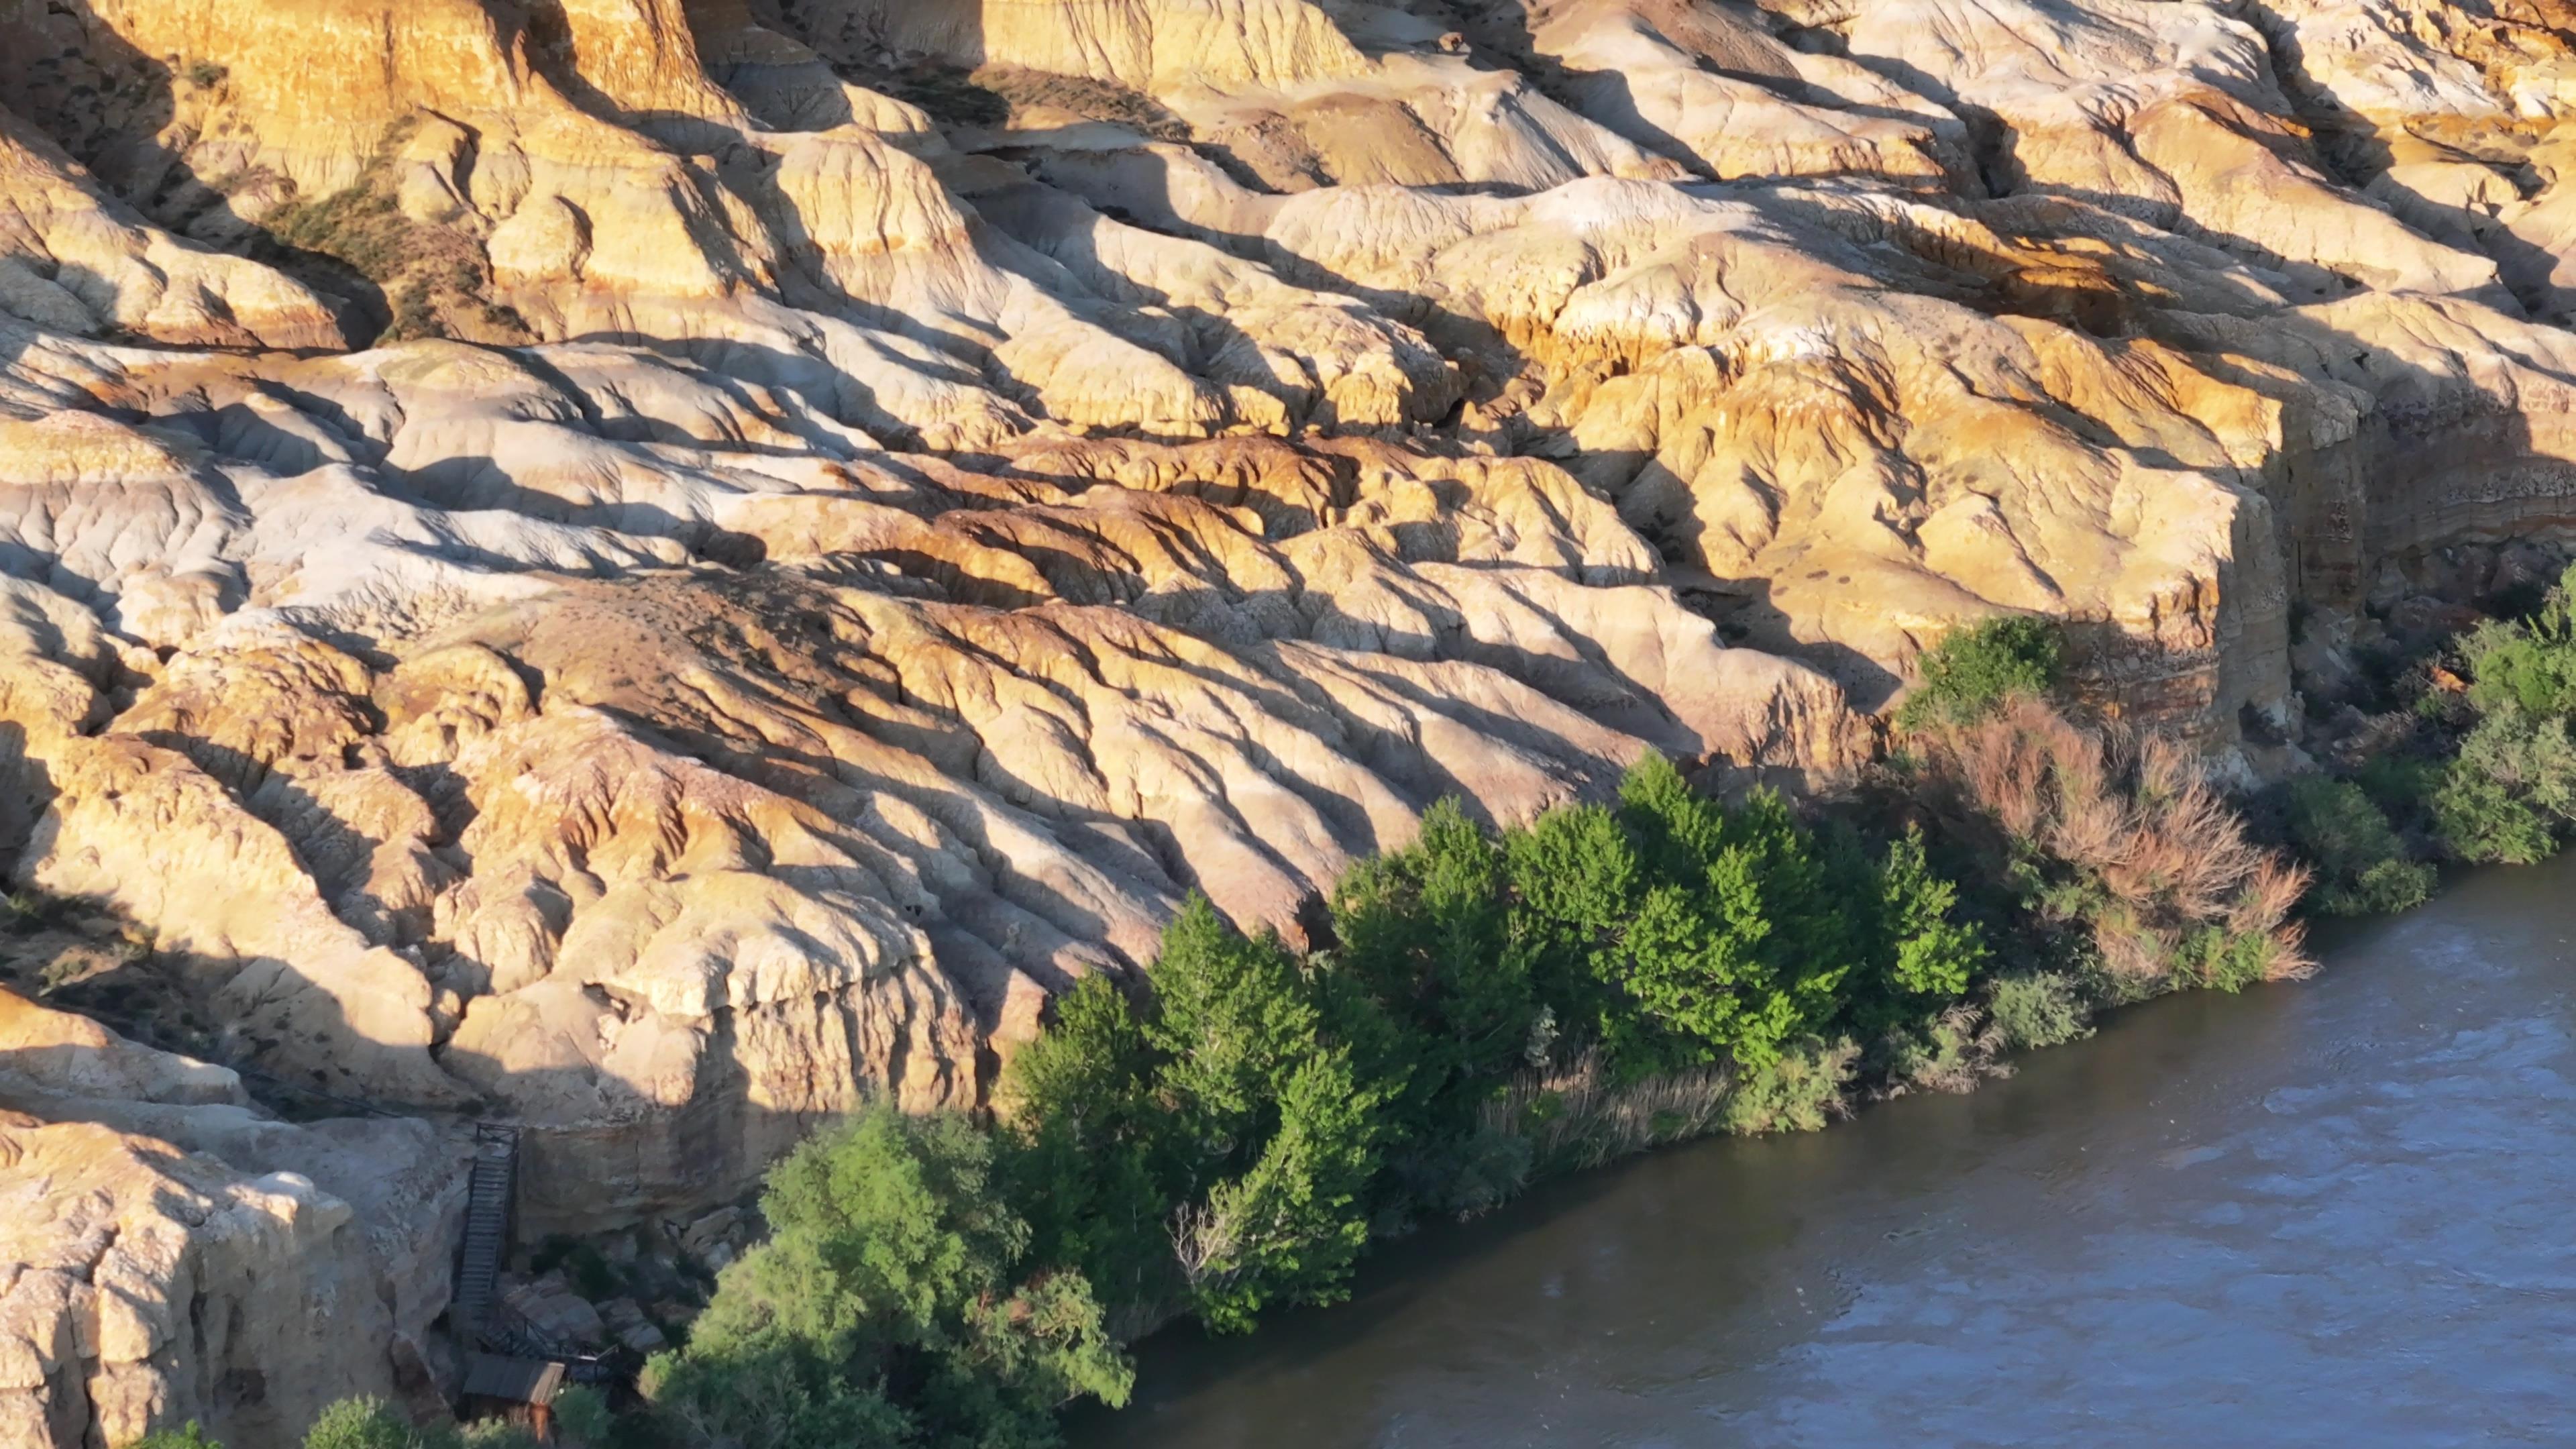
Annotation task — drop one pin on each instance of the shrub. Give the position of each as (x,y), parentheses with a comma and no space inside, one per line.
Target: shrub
(2527,667)
(2361,865)
(1951,1051)
(1971,672)
(435,278)
(2037,1009)
(2512,787)
(2117,836)
(2480,820)
(1799,1091)
(2229,960)
(186,1437)
(365,1424)
(2532,757)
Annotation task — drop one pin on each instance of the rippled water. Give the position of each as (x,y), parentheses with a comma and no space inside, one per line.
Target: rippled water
(2338,1213)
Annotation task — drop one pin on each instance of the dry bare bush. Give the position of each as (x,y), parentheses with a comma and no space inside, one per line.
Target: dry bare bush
(1963,1048)
(1575,1116)
(1204,1240)
(2120,834)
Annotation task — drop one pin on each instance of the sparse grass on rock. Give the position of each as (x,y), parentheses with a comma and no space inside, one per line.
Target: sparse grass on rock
(435,279)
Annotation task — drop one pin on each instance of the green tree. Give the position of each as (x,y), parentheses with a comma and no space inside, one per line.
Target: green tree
(1093,1159)
(1935,956)
(1290,1228)
(767,1392)
(583,1418)
(1818,937)
(2480,820)
(1425,933)
(2531,756)
(1281,1129)
(1678,831)
(894,1266)
(188,1436)
(1575,881)
(1233,1016)
(1696,977)
(2527,667)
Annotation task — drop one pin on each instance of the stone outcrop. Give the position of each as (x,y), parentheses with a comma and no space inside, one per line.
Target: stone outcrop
(168,1252)
(656,569)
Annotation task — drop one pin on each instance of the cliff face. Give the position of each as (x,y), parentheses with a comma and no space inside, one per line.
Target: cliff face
(168,1253)
(656,567)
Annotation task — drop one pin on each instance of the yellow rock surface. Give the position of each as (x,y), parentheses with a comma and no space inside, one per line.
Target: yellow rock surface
(658,568)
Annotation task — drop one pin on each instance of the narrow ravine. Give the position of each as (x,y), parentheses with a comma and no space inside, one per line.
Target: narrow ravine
(2330,1213)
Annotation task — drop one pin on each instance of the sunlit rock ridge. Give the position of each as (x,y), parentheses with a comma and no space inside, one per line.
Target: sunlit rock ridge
(654,568)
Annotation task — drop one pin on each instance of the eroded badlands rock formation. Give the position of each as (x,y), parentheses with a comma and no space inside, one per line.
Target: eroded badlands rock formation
(655,567)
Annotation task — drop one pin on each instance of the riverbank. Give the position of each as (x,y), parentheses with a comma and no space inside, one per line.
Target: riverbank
(2318,1215)
(1478,1010)
(1486,1008)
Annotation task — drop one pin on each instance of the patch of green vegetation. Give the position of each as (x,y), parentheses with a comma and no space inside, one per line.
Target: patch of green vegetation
(205,75)
(2036,1009)
(1093,100)
(1650,962)
(948,94)
(1972,671)
(436,280)
(2508,796)
(996,95)
(896,1302)
(2361,863)
(1800,1090)
(189,1437)
(367,1423)
(582,1418)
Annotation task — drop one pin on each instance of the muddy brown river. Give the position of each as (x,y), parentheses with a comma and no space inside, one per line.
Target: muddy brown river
(2338,1213)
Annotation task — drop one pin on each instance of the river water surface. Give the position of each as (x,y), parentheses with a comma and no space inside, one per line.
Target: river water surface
(2336,1213)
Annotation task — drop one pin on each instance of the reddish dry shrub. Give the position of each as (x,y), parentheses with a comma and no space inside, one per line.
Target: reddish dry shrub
(2122,835)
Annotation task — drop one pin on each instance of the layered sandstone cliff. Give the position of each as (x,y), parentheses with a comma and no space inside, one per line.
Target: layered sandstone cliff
(653,568)
(169,1252)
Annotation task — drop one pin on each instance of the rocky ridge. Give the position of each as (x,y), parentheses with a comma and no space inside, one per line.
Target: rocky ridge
(653,568)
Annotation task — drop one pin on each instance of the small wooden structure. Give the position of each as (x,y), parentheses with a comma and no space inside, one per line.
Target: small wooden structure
(521,1390)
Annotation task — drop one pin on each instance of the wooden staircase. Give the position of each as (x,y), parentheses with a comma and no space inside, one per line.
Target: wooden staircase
(482,1320)
(490,1192)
